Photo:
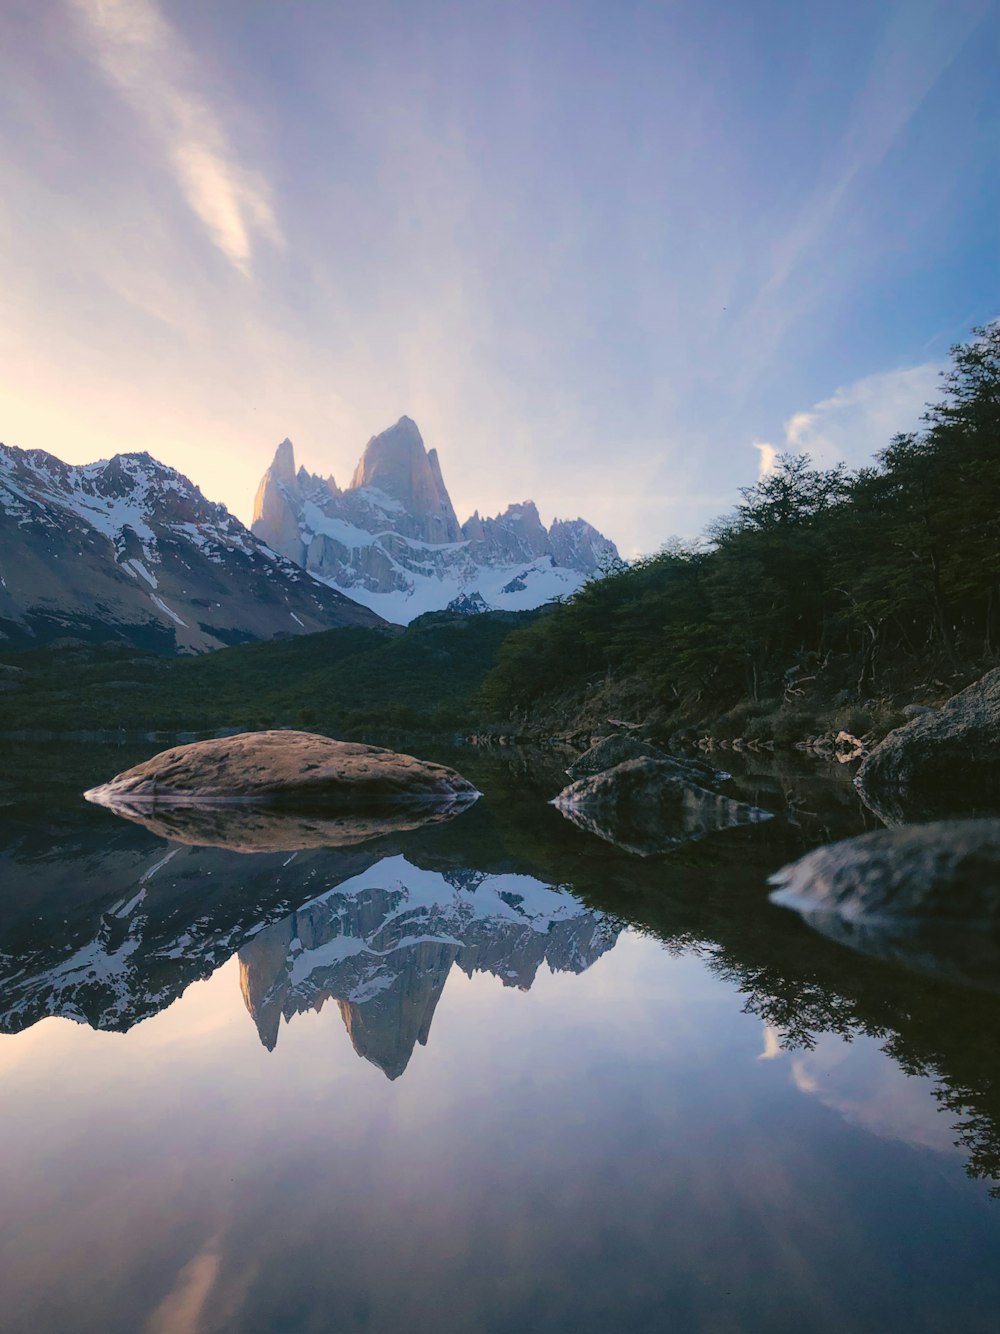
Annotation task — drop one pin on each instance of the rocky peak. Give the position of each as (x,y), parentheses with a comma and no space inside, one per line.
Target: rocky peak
(283,464)
(392,537)
(397,463)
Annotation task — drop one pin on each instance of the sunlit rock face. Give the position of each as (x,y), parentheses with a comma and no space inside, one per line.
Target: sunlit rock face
(392,540)
(397,464)
(129,549)
(383,946)
(303,770)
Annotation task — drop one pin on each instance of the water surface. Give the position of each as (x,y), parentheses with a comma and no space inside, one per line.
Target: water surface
(488,1075)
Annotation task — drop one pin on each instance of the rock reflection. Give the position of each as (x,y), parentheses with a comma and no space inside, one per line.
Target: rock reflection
(648,806)
(249,827)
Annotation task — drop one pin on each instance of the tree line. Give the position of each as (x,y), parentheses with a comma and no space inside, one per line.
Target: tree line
(851,579)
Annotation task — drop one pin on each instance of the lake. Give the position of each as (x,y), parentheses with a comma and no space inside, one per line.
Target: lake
(489,1075)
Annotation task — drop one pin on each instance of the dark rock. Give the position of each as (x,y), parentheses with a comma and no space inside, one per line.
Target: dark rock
(910,711)
(646,806)
(292,768)
(612,750)
(469,604)
(941,763)
(925,896)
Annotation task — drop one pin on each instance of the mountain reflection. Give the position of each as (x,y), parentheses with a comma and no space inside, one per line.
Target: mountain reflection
(382,947)
(121,930)
(106,924)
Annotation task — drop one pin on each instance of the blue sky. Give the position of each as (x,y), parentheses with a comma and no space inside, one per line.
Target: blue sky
(608,255)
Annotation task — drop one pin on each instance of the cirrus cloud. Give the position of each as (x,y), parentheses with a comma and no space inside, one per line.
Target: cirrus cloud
(153,69)
(857,420)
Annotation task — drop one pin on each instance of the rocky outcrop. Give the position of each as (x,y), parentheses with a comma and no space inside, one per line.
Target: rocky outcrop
(397,464)
(927,896)
(393,541)
(646,806)
(130,550)
(941,762)
(300,768)
(619,747)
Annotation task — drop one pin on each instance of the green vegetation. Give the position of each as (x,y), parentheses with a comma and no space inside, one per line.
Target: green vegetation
(347,681)
(823,592)
(826,599)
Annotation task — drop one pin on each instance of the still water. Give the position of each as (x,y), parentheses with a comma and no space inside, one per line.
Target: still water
(489,1075)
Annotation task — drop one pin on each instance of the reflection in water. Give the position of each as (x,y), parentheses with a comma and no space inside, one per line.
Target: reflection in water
(258,827)
(381,941)
(383,945)
(685,1135)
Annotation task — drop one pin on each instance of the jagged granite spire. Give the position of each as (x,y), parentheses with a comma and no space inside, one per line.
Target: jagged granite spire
(276,504)
(392,538)
(397,463)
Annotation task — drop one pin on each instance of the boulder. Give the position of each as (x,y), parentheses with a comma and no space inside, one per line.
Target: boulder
(613,750)
(646,806)
(945,762)
(925,896)
(296,769)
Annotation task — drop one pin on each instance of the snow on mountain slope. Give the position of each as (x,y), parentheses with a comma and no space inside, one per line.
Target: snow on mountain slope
(392,541)
(129,549)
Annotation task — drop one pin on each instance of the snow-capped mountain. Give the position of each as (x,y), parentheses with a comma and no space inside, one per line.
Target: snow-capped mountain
(391,539)
(130,549)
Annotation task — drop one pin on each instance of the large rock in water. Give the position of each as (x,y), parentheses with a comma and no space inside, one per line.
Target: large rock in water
(943,762)
(299,769)
(926,896)
(616,749)
(645,806)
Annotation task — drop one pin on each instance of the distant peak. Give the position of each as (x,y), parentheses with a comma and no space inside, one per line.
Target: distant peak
(397,463)
(283,465)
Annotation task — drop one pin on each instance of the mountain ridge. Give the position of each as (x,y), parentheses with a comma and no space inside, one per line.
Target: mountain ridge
(128,548)
(392,540)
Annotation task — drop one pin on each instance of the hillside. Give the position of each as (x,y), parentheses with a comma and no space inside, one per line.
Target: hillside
(825,600)
(128,550)
(338,680)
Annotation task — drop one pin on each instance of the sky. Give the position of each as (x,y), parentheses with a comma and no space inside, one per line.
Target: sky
(612,256)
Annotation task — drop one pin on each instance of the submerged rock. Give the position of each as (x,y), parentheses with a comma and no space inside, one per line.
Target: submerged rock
(925,896)
(613,750)
(290,768)
(941,762)
(949,869)
(646,806)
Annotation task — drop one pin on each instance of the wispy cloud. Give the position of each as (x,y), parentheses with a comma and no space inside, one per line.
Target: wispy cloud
(768,457)
(919,43)
(146,60)
(857,420)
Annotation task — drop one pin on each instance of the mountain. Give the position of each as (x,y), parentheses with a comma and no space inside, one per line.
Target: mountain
(129,549)
(392,540)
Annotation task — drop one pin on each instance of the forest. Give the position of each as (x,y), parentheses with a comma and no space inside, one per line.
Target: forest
(823,589)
